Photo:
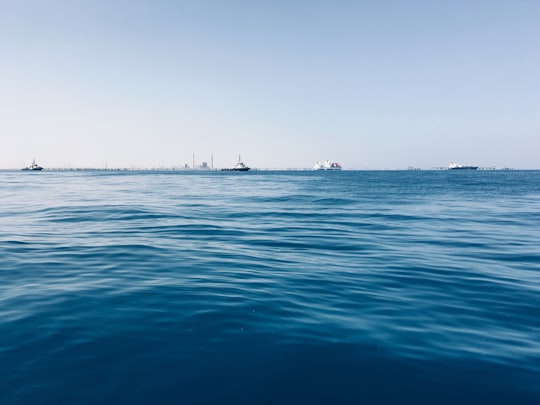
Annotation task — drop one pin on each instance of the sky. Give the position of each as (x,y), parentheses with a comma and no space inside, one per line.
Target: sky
(370,84)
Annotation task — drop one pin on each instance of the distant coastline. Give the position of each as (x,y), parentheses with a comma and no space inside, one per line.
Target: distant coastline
(209,170)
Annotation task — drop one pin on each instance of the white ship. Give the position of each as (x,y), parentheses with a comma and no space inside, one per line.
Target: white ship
(327,165)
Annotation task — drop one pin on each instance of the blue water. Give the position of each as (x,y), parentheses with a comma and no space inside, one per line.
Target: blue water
(269,287)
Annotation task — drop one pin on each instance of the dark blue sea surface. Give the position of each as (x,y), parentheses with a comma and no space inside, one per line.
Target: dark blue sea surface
(269,287)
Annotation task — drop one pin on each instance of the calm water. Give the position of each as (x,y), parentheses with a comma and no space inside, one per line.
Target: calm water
(270,287)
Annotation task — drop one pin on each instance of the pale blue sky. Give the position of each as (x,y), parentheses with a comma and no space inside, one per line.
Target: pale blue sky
(370,84)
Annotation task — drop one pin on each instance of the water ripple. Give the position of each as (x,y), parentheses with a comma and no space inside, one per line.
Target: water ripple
(405,272)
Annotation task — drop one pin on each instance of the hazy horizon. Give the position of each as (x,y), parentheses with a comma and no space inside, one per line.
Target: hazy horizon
(371,85)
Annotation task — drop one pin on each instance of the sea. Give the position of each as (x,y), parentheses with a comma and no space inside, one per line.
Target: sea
(269,287)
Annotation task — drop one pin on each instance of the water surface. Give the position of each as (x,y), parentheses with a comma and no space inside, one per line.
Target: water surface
(269,287)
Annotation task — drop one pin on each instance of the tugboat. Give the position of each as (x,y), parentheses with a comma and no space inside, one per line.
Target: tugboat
(238,167)
(34,166)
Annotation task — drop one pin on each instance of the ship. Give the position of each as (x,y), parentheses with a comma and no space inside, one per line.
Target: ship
(33,167)
(327,165)
(238,167)
(456,166)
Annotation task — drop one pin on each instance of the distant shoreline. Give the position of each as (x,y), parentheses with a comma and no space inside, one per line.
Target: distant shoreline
(202,170)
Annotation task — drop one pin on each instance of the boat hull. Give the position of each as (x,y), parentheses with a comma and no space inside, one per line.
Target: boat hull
(243,169)
(464,168)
